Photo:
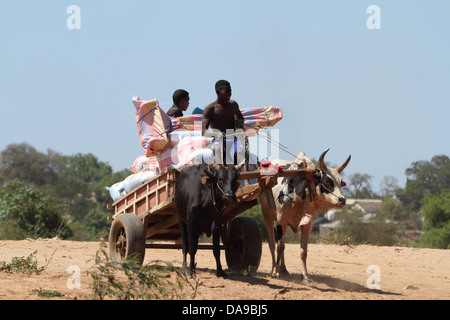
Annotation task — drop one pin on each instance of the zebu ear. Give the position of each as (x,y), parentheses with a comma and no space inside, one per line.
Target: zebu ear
(214,166)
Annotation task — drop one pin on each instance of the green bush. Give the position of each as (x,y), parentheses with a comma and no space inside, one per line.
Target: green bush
(436,213)
(376,231)
(26,265)
(32,211)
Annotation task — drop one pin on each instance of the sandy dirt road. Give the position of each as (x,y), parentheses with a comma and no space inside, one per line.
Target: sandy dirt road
(337,272)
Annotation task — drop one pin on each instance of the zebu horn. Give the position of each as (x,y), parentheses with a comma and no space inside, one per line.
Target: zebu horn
(342,166)
(239,167)
(322,165)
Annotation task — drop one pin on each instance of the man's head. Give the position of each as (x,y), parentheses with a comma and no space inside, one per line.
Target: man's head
(181,99)
(223,90)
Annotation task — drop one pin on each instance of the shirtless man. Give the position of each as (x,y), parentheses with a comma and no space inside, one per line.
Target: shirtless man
(222,113)
(221,118)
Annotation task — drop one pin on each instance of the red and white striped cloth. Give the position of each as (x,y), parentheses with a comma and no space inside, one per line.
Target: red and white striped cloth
(254,118)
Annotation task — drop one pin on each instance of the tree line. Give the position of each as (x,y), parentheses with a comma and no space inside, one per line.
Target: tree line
(50,194)
(417,214)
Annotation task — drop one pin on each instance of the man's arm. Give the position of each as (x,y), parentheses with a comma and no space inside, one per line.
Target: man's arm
(207,114)
(239,123)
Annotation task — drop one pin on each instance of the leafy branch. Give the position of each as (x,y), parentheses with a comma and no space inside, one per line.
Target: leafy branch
(129,280)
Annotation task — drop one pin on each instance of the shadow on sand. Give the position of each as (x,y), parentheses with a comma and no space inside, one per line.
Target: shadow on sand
(321,283)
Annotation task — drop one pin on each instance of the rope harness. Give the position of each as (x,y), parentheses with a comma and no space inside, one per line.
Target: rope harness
(212,193)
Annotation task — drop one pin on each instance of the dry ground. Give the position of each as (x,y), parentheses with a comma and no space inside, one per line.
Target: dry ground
(337,272)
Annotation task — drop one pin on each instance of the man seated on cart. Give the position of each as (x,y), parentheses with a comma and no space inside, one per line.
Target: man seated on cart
(223,120)
(180,103)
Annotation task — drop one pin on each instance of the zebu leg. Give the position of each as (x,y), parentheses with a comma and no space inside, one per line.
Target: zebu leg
(305,232)
(271,239)
(281,267)
(216,251)
(193,244)
(185,241)
(269,215)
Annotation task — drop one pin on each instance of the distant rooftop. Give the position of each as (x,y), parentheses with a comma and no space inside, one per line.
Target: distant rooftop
(366,205)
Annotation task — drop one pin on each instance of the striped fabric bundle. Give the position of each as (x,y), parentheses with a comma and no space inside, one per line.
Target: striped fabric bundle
(153,125)
(191,122)
(254,118)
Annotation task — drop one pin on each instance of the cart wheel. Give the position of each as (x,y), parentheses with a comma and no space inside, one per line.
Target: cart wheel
(127,238)
(244,246)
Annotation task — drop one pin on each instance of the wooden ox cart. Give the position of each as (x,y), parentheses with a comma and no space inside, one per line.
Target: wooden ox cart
(146,218)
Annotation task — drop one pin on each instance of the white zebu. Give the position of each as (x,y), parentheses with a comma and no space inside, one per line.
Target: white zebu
(294,207)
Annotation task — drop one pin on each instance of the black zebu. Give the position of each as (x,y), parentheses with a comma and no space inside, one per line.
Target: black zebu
(200,206)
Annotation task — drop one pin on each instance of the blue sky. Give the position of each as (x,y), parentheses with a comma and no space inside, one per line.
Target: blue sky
(382,96)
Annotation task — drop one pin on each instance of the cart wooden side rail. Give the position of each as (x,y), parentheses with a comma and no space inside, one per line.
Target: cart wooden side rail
(146,216)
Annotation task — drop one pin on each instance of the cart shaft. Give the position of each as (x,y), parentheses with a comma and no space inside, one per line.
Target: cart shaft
(288,173)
